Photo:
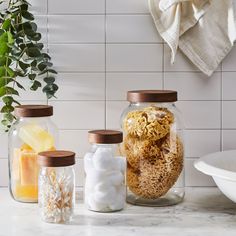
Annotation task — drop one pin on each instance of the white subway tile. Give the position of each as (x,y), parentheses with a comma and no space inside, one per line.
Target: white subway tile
(75,140)
(4,173)
(194,86)
(195,178)
(4,146)
(229,62)
(76,6)
(38,7)
(127,6)
(79,173)
(126,29)
(229,85)
(78,114)
(78,57)
(29,95)
(229,115)
(76,28)
(41,21)
(201,114)
(134,57)
(113,114)
(229,139)
(81,86)
(201,142)
(118,84)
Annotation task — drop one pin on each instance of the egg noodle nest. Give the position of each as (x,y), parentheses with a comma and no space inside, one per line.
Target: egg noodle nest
(154,152)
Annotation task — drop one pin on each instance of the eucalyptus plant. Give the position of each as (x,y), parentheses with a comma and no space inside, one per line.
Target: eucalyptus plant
(21,55)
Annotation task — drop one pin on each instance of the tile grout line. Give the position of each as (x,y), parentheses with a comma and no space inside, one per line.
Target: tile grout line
(221,108)
(105,75)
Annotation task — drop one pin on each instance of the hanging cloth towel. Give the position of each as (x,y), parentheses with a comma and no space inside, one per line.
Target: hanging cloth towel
(204,30)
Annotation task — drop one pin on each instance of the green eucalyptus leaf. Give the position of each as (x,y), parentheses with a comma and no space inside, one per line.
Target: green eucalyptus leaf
(33,52)
(3,48)
(10,72)
(49,80)
(27,15)
(32,76)
(8,90)
(23,65)
(5,80)
(8,100)
(6,24)
(7,109)
(10,38)
(19,85)
(36,84)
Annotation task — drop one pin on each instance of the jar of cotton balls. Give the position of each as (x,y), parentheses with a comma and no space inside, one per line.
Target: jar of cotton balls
(105,170)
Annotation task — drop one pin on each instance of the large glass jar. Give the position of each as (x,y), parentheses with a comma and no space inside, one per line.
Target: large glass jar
(56,186)
(153,146)
(105,189)
(33,132)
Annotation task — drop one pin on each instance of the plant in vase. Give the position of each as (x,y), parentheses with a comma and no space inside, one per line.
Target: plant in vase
(22,55)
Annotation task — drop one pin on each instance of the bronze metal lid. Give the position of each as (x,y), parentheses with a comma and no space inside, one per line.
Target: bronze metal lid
(105,136)
(33,111)
(56,158)
(152,96)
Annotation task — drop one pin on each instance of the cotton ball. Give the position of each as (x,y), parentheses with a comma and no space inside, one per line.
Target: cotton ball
(103,186)
(88,162)
(105,196)
(103,159)
(118,203)
(121,163)
(94,205)
(95,177)
(116,178)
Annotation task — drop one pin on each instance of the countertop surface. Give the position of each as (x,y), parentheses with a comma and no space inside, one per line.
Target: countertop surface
(205,211)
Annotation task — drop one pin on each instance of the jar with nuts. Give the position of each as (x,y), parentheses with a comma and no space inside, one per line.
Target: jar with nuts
(153,146)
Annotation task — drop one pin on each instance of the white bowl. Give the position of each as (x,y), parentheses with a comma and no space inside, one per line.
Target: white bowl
(222,167)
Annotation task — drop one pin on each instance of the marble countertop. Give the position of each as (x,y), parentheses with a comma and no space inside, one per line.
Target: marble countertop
(205,211)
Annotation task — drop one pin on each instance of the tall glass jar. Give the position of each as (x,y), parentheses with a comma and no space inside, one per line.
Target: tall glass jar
(105,189)
(33,132)
(153,146)
(56,186)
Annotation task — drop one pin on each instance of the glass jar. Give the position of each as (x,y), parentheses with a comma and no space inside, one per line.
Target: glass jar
(56,186)
(33,132)
(105,169)
(153,146)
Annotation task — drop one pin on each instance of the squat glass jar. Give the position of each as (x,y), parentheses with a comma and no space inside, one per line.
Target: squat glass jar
(33,132)
(105,169)
(56,186)
(153,146)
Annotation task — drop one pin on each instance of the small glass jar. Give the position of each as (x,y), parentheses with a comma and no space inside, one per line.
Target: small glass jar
(153,146)
(33,132)
(56,186)
(105,169)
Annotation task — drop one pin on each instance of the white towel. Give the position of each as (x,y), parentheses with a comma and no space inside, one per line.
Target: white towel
(204,30)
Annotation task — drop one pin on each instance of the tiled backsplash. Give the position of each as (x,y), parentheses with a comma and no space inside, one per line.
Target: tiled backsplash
(102,48)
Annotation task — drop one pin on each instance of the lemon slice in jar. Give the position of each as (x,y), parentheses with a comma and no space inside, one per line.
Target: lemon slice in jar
(36,137)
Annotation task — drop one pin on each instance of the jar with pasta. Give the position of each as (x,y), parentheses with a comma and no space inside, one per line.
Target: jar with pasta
(153,146)
(33,132)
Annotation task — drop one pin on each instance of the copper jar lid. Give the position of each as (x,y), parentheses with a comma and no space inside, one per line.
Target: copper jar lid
(105,136)
(33,110)
(58,158)
(152,96)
